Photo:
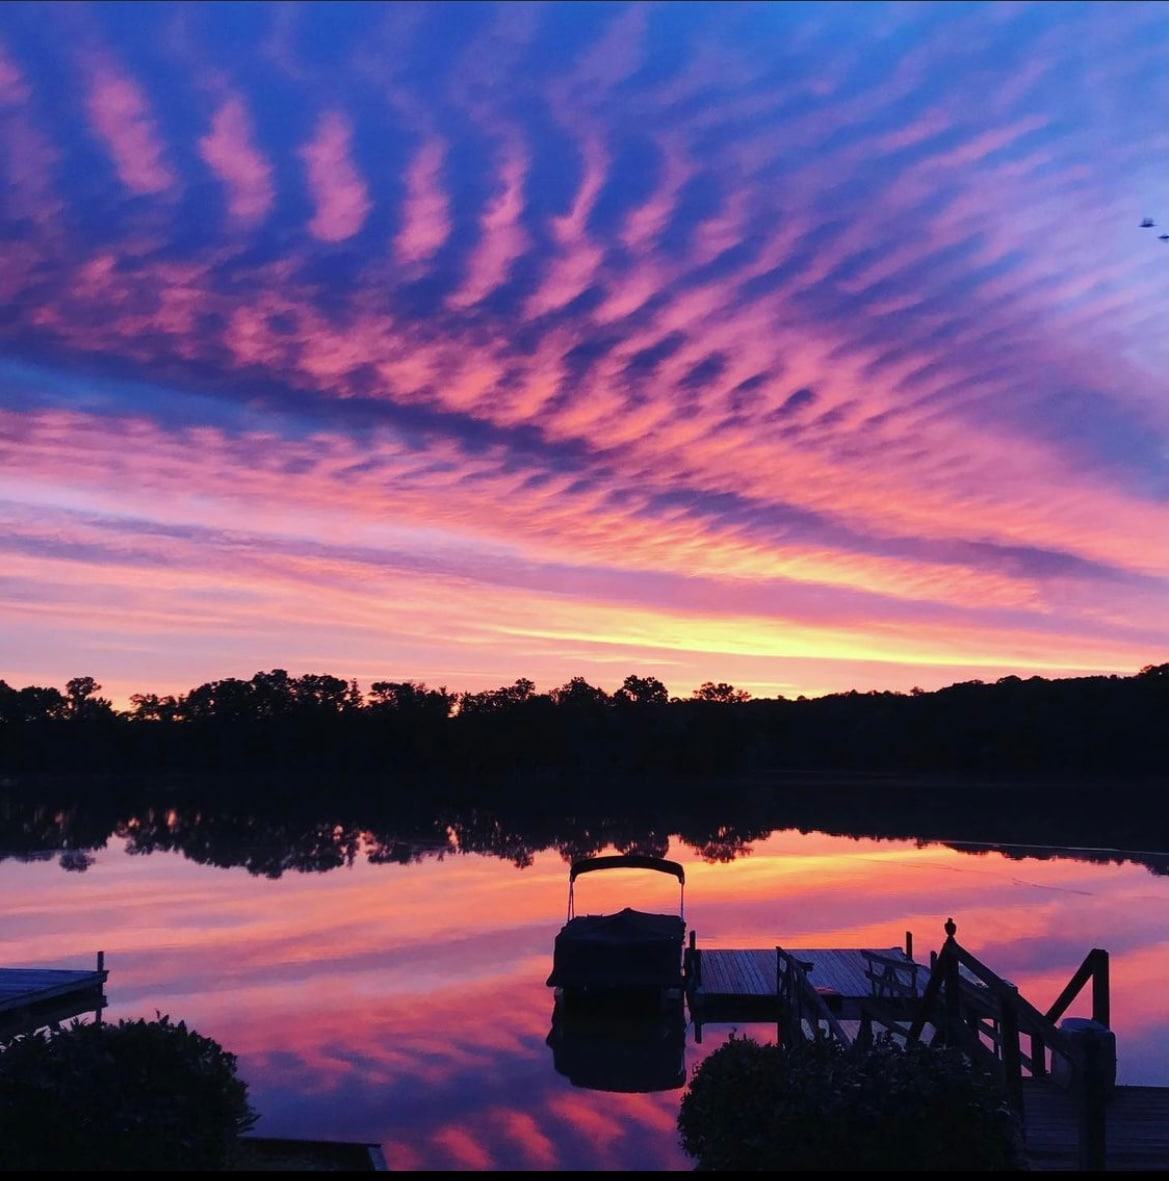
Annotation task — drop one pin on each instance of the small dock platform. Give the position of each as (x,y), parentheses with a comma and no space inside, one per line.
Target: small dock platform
(742,984)
(32,998)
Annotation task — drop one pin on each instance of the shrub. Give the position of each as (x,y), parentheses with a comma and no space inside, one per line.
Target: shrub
(136,1095)
(823,1106)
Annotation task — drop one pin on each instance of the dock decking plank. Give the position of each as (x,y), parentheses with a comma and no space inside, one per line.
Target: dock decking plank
(20,987)
(750,972)
(1136,1128)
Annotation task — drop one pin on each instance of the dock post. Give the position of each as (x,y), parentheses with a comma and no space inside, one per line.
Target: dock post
(950,983)
(101,967)
(909,945)
(781,1006)
(864,1036)
(1012,1063)
(1101,1003)
(1092,1098)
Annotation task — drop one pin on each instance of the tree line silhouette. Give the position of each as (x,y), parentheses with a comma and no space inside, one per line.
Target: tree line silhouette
(1097,725)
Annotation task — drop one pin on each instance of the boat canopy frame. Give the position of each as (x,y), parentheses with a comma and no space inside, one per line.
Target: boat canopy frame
(626,861)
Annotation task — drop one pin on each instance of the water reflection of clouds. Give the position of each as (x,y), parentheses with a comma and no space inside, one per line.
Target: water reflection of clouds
(437,1080)
(405,1004)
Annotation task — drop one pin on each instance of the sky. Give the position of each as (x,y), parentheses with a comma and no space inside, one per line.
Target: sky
(809,347)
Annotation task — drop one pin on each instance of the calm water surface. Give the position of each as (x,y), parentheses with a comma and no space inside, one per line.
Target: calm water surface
(405,1004)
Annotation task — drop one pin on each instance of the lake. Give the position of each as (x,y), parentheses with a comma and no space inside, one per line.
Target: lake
(402,1000)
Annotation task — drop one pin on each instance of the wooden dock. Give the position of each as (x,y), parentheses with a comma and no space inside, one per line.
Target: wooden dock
(1059,1079)
(1136,1128)
(32,998)
(740,984)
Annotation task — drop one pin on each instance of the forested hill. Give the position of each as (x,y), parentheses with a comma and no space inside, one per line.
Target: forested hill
(1100,726)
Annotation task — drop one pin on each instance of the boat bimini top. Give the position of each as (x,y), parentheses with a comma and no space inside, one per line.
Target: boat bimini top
(626,861)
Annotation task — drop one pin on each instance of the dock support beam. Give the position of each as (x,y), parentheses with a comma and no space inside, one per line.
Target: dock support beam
(101,967)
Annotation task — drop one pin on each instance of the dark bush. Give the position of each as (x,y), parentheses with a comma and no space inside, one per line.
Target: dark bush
(132,1096)
(822,1106)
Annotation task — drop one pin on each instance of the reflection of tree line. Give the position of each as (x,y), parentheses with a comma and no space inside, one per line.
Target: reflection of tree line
(231,823)
(1097,725)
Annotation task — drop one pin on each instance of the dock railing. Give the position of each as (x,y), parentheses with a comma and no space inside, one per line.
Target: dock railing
(968,1005)
(799,1001)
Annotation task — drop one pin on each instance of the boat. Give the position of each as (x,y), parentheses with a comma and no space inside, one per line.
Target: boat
(624,955)
(630,1053)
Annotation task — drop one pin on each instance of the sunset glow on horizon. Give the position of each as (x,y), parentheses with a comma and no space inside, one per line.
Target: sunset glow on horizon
(807,347)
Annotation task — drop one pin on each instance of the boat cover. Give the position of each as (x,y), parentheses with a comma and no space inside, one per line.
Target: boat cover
(631,949)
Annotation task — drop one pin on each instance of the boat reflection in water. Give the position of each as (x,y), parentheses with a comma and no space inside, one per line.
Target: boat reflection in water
(602,1048)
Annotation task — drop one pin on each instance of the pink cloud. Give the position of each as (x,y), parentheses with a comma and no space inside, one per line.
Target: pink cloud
(337,188)
(121,116)
(426,222)
(503,237)
(575,264)
(949,472)
(229,151)
(644,223)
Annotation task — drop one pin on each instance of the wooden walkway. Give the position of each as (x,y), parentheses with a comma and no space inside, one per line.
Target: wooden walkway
(739,984)
(1136,1122)
(31,998)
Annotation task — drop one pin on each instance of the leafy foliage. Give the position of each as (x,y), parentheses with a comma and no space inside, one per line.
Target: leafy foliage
(133,1096)
(822,1106)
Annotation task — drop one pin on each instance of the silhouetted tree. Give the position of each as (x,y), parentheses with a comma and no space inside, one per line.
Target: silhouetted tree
(411,699)
(709,691)
(227,700)
(318,692)
(642,691)
(83,699)
(274,694)
(496,700)
(37,703)
(149,707)
(577,693)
